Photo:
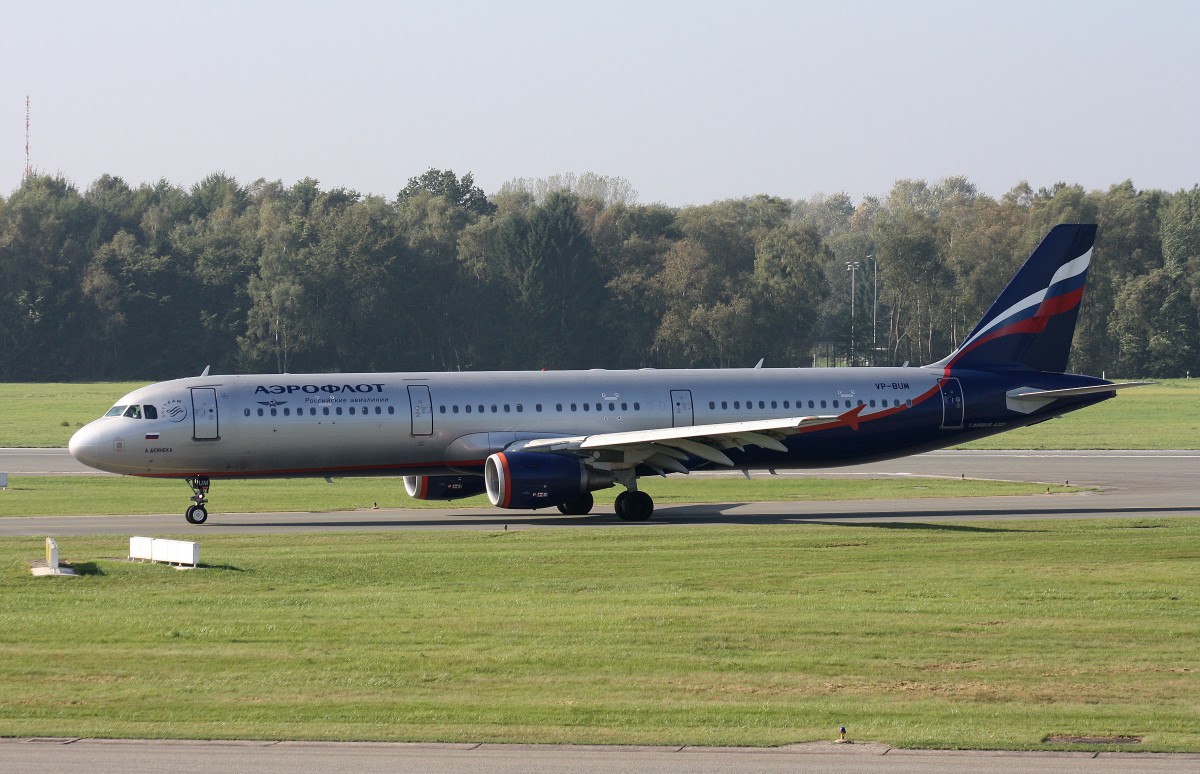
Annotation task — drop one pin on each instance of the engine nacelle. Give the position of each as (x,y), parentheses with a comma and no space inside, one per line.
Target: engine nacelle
(443,487)
(539,480)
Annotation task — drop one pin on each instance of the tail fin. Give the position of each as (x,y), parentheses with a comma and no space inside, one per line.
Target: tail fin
(1031,324)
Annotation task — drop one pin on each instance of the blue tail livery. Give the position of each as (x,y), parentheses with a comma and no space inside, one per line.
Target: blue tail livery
(536,439)
(1031,324)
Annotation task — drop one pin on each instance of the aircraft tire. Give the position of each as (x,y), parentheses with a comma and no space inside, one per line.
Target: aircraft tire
(634,506)
(196,514)
(580,506)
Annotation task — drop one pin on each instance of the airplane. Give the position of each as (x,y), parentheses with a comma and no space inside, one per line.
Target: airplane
(537,439)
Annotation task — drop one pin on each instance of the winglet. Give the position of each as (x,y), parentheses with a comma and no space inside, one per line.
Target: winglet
(851,417)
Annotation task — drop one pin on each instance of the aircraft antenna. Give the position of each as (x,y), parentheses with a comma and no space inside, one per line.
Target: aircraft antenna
(28,168)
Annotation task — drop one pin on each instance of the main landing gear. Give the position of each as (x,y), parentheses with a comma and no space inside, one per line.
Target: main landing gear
(580,506)
(198,514)
(632,505)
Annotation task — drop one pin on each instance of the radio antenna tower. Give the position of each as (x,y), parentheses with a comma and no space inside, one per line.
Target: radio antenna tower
(28,169)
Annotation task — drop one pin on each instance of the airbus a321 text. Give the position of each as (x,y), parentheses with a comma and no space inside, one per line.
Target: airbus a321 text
(549,439)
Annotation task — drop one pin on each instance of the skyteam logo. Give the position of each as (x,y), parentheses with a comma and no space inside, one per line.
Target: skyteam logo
(175,411)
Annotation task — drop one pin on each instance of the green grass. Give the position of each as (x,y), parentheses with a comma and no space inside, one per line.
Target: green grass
(99,495)
(1165,415)
(917,635)
(46,415)
(1162,416)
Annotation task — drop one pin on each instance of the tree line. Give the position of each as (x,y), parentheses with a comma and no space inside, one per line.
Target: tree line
(159,281)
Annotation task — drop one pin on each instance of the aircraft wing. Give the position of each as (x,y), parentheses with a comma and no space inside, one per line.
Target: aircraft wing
(664,449)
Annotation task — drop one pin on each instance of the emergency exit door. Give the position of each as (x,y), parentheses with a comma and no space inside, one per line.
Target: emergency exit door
(421,406)
(681,409)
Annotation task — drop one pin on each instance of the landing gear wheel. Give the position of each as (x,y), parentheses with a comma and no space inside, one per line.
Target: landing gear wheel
(580,506)
(198,514)
(634,506)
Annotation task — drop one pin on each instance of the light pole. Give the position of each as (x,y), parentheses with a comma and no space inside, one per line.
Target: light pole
(874,311)
(852,267)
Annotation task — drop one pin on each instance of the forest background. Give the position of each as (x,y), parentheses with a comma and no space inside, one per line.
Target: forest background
(159,281)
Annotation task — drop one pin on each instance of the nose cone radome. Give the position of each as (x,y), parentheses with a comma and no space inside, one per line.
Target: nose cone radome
(85,446)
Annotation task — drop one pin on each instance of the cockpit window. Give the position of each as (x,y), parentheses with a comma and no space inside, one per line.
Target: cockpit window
(149,412)
(115,411)
(134,412)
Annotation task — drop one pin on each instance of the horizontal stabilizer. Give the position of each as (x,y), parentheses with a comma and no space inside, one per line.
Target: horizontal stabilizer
(1026,400)
(1072,391)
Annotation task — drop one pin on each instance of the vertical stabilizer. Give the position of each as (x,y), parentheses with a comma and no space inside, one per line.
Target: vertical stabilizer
(1031,324)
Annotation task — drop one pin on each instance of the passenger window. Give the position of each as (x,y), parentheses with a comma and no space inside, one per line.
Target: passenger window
(453,409)
(586,406)
(624,406)
(762,404)
(480,408)
(379,410)
(274,412)
(637,406)
(152,413)
(612,407)
(598,407)
(325,410)
(712,404)
(786,404)
(822,404)
(737,404)
(558,407)
(774,404)
(467,408)
(520,409)
(872,403)
(835,404)
(506,411)
(573,408)
(537,407)
(392,409)
(441,409)
(287,412)
(247,412)
(260,412)
(810,405)
(338,411)
(493,408)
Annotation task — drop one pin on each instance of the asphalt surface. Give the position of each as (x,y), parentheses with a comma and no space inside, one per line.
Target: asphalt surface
(1135,484)
(85,756)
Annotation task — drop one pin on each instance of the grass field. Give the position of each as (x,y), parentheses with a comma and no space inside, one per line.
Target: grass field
(916,635)
(1162,416)
(100,495)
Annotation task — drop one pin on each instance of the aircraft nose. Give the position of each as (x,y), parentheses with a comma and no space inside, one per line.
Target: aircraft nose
(83,445)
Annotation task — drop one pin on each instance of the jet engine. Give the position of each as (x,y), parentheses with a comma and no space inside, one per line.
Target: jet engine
(443,487)
(539,480)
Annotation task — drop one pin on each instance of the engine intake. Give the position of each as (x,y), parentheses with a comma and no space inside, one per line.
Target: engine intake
(443,487)
(539,480)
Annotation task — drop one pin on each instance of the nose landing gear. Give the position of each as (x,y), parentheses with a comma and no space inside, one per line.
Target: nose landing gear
(198,514)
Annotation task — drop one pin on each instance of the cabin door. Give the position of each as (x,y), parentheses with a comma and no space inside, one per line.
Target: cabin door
(421,406)
(952,404)
(681,409)
(205,425)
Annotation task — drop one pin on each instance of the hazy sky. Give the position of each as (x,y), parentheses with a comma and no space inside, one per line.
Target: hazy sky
(690,101)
